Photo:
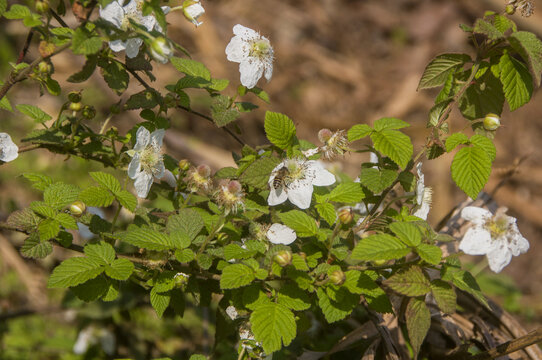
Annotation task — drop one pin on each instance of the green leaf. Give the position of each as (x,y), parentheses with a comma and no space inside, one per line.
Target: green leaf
(327,212)
(204,261)
(106,180)
(184,255)
(530,49)
(91,290)
(146,99)
(85,43)
(484,27)
(279,129)
(127,200)
(455,140)
(115,76)
(300,222)
(437,111)
(481,98)
(24,219)
(3,7)
(418,321)
(437,71)
(34,112)
(36,249)
(394,144)
(358,282)
(259,93)
(466,282)
(53,87)
(16,11)
(160,302)
(257,174)
(66,221)
(516,80)
(350,192)
(471,168)
(431,254)
(191,67)
(102,252)
(43,209)
(411,282)
(359,131)
(59,195)
(235,276)
(485,144)
(389,123)
(147,239)
(234,251)
(379,247)
(273,325)
(335,311)
(97,196)
(74,271)
(294,298)
(86,71)
(120,269)
(444,295)
(188,221)
(377,180)
(48,229)
(4,102)
(222,111)
(39,181)
(407,232)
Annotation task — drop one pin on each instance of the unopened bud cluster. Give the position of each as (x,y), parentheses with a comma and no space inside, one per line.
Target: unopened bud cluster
(199,179)
(492,122)
(283,258)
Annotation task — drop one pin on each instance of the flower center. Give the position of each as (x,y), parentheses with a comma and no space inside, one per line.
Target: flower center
(497,226)
(260,48)
(149,159)
(296,170)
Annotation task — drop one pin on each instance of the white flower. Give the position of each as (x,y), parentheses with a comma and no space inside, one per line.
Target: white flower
(254,54)
(293,179)
(232,312)
(147,162)
(496,236)
(161,51)
(8,150)
(90,336)
(192,10)
(120,16)
(424,195)
(281,234)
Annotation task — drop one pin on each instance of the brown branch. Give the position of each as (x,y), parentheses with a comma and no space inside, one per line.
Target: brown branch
(23,52)
(510,346)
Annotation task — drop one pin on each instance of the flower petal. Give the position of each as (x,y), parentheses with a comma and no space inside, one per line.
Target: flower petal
(117,45)
(169,178)
(281,234)
(499,258)
(157,137)
(8,150)
(113,13)
(159,170)
(237,50)
(476,241)
(132,47)
(143,138)
(423,211)
(277,196)
(476,215)
(134,167)
(245,33)
(300,195)
(268,72)
(322,177)
(143,184)
(516,242)
(251,72)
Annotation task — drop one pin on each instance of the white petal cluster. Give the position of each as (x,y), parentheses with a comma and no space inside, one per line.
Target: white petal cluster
(254,54)
(8,150)
(297,179)
(192,10)
(147,163)
(90,336)
(281,234)
(496,236)
(161,50)
(120,16)
(424,195)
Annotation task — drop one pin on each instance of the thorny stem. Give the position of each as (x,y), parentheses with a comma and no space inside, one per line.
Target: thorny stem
(216,228)
(332,237)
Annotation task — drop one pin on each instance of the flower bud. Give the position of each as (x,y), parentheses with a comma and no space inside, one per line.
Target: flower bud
(492,122)
(161,51)
(75,106)
(192,10)
(44,68)
(379,262)
(337,277)
(75,96)
(346,215)
(204,170)
(77,208)
(181,279)
(42,6)
(184,165)
(324,135)
(46,48)
(283,258)
(89,112)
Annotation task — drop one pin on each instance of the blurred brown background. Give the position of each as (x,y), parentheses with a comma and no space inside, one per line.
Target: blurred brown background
(337,63)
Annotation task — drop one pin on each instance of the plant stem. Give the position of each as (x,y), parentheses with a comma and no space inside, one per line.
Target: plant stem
(216,228)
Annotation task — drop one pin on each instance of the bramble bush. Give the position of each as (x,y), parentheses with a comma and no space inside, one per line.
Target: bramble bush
(277,246)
